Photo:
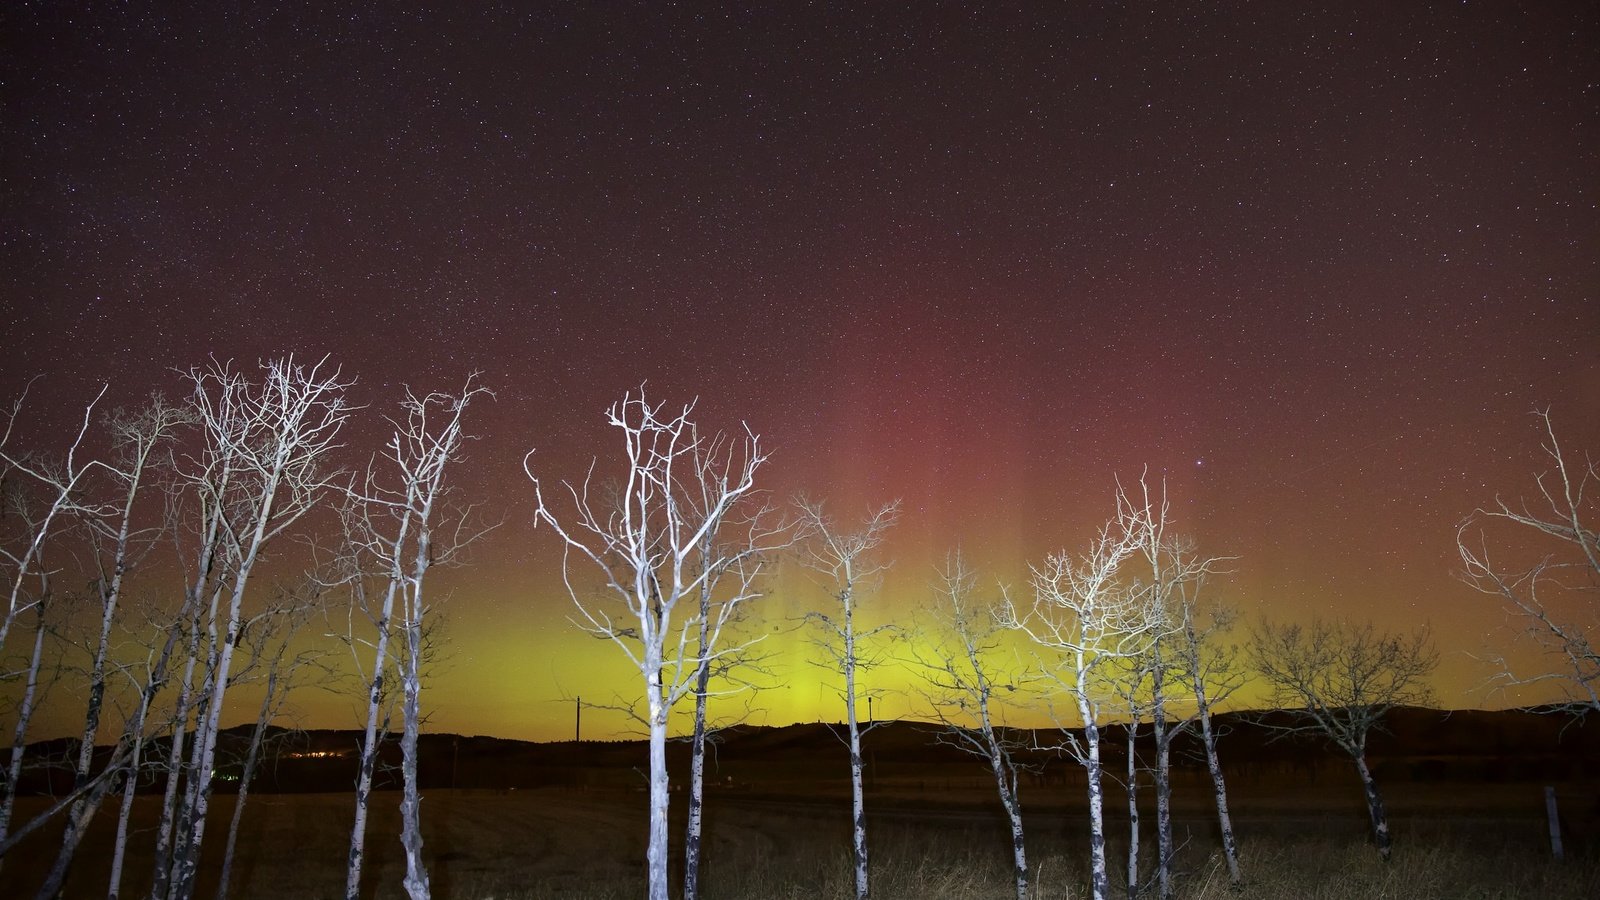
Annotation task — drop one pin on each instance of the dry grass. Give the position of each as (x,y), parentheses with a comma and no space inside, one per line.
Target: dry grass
(532,845)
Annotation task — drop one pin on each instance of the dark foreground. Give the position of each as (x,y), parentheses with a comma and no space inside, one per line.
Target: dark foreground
(929,840)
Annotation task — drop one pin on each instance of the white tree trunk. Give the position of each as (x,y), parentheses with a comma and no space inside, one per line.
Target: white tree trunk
(262,720)
(697,768)
(1019,849)
(130,786)
(1375,810)
(19,740)
(369,751)
(1219,786)
(416,880)
(1099,872)
(1163,742)
(660,795)
(1133,810)
(858,808)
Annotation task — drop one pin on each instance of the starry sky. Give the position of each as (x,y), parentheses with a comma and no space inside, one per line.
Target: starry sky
(1312,264)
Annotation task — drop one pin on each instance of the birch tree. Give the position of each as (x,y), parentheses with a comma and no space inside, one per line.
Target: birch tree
(64,480)
(847,560)
(1208,666)
(117,544)
(42,500)
(956,661)
(262,465)
(1171,572)
(1339,681)
(645,545)
(1083,617)
(391,529)
(1553,601)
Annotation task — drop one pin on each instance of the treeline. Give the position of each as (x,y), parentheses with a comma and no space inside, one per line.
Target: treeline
(669,562)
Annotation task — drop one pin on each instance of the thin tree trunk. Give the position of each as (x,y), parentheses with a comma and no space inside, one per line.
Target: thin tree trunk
(251,755)
(1380,819)
(369,750)
(416,880)
(1133,809)
(130,786)
(110,593)
(1013,806)
(1163,740)
(697,768)
(161,874)
(199,780)
(187,863)
(1099,873)
(19,739)
(857,797)
(656,852)
(1219,786)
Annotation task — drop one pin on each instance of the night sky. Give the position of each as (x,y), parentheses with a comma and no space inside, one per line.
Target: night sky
(1313,266)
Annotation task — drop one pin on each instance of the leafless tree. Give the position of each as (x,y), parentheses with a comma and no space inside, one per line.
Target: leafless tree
(1084,616)
(63,480)
(39,604)
(263,464)
(1553,600)
(36,523)
(391,529)
(1172,574)
(1209,666)
(645,545)
(117,544)
(1339,681)
(846,560)
(956,660)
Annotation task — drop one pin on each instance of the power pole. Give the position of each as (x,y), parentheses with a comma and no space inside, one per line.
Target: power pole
(577,723)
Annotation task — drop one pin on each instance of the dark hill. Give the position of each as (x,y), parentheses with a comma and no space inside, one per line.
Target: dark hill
(1419,744)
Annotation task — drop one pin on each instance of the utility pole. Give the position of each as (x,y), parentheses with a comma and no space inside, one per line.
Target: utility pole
(577,722)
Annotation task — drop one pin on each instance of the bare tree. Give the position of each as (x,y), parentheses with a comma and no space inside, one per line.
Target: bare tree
(645,546)
(846,560)
(117,546)
(1209,668)
(1340,680)
(956,661)
(1566,577)
(391,529)
(263,465)
(1084,616)
(62,483)
(27,703)
(1172,574)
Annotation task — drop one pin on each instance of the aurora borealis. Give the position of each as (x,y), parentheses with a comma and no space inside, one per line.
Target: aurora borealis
(1312,265)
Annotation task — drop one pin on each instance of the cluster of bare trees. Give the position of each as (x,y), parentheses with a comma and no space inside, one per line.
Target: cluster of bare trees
(666,550)
(192,500)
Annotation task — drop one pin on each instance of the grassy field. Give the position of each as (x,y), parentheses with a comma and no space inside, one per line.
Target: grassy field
(568,843)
